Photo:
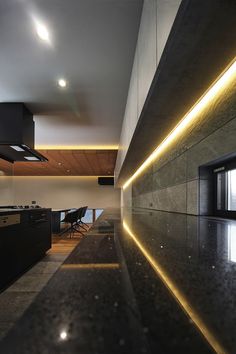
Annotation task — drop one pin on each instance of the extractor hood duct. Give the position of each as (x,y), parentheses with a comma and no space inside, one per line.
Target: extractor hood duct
(17,134)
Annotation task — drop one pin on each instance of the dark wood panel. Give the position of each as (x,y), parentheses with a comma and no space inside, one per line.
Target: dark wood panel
(69,163)
(6,168)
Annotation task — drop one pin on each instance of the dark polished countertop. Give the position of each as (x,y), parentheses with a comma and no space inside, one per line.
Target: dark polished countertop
(17,210)
(149,282)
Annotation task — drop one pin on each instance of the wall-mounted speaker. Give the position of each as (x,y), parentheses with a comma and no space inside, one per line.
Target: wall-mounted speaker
(106,181)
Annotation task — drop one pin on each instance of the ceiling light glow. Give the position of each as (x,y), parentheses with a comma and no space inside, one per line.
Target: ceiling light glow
(62,83)
(42,31)
(218,87)
(76,147)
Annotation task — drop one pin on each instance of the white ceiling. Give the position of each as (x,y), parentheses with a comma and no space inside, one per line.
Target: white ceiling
(92,46)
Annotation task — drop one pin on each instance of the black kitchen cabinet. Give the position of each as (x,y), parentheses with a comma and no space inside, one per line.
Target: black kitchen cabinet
(25,236)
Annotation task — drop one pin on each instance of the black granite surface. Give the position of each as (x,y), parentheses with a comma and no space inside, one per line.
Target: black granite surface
(20,210)
(162,283)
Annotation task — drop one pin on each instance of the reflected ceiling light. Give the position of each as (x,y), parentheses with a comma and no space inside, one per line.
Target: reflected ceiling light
(62,83)
(218,86)
(232,243)
(31,158)
(91,266)
(63,335)
(176,292)
(42,31)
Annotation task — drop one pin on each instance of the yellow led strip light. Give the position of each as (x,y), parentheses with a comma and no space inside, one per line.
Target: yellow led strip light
(76,147)
(218,86)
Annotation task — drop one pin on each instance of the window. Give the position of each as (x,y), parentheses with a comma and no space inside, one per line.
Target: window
(231,182)
(225,204)
(92,215)
(98,212)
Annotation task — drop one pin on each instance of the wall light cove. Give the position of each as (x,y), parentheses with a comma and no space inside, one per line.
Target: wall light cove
(217,88)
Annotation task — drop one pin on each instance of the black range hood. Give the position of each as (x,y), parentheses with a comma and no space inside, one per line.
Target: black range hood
(17,134)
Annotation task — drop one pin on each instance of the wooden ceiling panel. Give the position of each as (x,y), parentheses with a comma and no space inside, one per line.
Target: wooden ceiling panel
(6,168)
(70,163)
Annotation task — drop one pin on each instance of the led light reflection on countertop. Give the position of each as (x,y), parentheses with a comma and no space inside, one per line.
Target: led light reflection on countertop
(63,335)
(180,298)
(225,79)
(91,266)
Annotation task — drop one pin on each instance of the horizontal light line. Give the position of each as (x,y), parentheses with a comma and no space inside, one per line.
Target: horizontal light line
(60,176)
(91,266)
(76,147)
(209,336)
(212,92)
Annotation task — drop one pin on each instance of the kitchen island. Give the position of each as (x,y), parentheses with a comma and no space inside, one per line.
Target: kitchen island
(140,282)
(25,236)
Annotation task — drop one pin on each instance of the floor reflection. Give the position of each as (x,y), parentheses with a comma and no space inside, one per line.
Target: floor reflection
(232,243)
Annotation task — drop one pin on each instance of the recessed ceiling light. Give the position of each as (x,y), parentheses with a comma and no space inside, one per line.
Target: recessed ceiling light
(62,83)
(31,158)
(42,31)
(16,148)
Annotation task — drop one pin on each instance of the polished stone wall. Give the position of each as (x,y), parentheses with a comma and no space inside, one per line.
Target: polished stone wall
(173,182)
(200,44)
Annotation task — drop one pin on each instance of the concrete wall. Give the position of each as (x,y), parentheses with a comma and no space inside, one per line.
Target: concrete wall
(156,22)
(173,183)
